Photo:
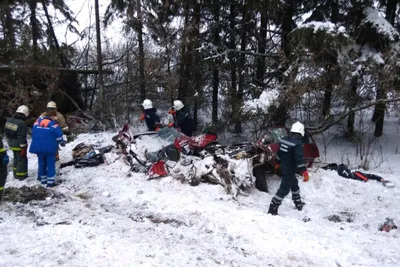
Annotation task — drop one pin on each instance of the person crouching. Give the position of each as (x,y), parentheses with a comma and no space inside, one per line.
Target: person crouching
(46,136)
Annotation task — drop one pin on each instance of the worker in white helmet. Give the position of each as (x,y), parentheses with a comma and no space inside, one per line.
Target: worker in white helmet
(16,132)
(183,118)
(150,115)
(290,160)
(59,118)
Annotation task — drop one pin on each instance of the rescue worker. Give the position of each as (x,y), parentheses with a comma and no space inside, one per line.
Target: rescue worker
(46,136)
(16,131)
(290,159)
(59,118)
(3,167)
(183,118)
(150,115)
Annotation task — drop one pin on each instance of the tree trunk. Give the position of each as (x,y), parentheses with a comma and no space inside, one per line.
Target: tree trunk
(352,102)
(168,85)
(183,81)
(287,27)
(8,33)
(141,53)
(99,59)
(280,115)
(215,72)
(260,61)
(391,7)
(34,27)
(379,111)
(53,36)
(326,104)
(232,60)
(128,87)
(9,27)
(242,62)
(93,93)
(197,58)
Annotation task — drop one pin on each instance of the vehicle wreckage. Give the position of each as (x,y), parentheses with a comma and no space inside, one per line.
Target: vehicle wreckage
(237,167)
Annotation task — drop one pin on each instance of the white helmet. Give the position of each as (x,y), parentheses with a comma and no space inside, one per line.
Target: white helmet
(178,105)
(52,104)
(24,110)
(297,127)
(147,104)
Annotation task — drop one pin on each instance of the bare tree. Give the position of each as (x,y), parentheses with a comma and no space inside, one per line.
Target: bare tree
(99,59)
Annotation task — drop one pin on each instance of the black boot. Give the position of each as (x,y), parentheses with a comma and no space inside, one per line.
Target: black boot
(273,209)
(299,204)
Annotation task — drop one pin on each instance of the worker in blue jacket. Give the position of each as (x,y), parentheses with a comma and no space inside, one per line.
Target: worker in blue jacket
(46,136)
(150,115)
(290,160)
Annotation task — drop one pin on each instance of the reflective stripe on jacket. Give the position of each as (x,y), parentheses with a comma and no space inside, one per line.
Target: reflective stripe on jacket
(60,119)
(16,132)
(290,155)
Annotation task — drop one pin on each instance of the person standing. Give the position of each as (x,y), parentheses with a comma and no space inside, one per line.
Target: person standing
(184,119)
(150,115)
(16,132)
(59,118)
(290,159)
(46,136)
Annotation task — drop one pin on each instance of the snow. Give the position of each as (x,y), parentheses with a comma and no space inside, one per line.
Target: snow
(369,53)
(380,24)
(326,26)
(110,219)
(262,103)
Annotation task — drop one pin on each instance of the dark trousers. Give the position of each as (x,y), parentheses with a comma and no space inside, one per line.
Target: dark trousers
(289,183)
(365,176)
(20,165)
(3,178)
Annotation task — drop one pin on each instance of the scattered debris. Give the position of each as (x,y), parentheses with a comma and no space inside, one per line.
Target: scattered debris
(172,221)
(84,195)
(341,217)
(388,225)
(25,194)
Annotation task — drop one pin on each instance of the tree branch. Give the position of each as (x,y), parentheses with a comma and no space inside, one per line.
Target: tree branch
(26,67)
(76,104)
(325,126)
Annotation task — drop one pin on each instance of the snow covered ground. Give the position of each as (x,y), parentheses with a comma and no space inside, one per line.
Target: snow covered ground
(109,219)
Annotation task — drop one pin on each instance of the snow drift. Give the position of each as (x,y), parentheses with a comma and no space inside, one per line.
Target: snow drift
(100,217)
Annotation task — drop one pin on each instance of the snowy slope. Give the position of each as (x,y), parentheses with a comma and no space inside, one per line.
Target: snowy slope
(109,219)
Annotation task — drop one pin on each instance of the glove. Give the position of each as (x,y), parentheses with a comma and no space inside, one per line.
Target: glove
(277,167)
(62,144)
(171,124)
(172,112)
(23,151)
(141,118)
(306,177)
(6,160)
